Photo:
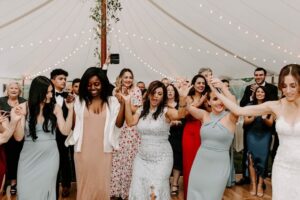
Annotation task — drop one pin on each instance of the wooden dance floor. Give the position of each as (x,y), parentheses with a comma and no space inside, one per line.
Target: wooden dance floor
(233,193)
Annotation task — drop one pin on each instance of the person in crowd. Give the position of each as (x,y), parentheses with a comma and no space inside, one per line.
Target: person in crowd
(6,131)
(285,171)
(122,159)
(211,167)
(231,179)
(12,147)
(226,82)
(206,72)
(175,139)
(75,86)
(154,160)
(259,135)
(165,81)
(191,139)
(95,135)
(142,86)
(259,77)
(39,159)
(66,161)
(143,89)
(68,89)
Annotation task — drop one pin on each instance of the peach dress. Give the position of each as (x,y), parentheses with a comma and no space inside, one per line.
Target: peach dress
(93,166)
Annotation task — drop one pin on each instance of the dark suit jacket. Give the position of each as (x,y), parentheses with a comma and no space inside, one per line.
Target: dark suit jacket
(272,93)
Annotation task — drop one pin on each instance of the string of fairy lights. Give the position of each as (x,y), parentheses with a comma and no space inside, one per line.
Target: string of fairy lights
(244,30)
(45,41)
(141,60)
(63,59)
(192,48)
(206,8)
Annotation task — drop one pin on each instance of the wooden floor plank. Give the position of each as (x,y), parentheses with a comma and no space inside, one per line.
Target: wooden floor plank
(233,193)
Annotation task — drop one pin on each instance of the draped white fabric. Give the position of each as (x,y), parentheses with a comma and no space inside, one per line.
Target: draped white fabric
(153,37)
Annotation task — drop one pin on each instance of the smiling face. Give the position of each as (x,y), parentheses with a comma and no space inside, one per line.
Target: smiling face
(216,104)
(13,90)
(260,94)
(199,85)
(127,79)
(290,88)
(259,77)
(94,86)
(156,97)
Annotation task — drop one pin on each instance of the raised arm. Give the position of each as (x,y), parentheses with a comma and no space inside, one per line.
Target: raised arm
(121,113)
(252,110)
(5,133)
(197,113)
(12,128)
(65,126)
(130,117)
(173,114)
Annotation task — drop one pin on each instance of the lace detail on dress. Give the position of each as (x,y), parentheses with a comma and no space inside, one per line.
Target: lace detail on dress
(286,167)
(154,160)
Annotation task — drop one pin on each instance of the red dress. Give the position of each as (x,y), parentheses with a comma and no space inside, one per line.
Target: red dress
(190,144)
(2,164)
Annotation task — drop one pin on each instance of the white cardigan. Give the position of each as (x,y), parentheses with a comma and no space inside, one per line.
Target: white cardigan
(111,131)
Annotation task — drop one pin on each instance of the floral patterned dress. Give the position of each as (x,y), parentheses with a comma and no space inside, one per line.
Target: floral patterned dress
(122,160)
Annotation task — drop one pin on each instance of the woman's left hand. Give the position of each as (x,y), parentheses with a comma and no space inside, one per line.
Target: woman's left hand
(70,101)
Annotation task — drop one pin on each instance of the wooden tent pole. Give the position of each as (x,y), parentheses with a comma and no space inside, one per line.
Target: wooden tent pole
(103,32)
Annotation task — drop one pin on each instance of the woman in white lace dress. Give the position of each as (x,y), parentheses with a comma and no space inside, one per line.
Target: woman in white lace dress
(154,161)
(286,167)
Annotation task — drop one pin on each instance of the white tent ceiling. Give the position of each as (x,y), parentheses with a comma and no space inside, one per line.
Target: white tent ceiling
(153,37)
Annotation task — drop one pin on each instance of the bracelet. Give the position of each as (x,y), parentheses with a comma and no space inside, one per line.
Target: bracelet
(182,106)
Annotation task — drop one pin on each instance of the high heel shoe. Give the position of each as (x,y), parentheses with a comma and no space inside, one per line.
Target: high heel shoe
(176,191)
(13,189)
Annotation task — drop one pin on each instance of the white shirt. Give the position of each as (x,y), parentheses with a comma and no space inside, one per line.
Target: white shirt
(111,131)
(59,99)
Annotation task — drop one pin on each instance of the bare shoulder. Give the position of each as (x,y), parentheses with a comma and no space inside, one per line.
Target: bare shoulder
(275,105)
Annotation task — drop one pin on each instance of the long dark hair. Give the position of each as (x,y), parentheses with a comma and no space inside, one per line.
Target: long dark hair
(37,94)
(146,107)
(192,90)
(84,94)
(255,101)
(176,94)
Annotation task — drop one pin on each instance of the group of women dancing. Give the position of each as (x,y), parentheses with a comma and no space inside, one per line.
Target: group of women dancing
(127,144)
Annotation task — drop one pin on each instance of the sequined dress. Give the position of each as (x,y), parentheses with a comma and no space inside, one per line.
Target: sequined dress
(154,160)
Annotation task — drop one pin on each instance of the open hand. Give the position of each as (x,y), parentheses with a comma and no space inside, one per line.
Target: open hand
(184,90)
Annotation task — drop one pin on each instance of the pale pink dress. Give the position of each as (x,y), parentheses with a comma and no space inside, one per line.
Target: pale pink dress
(93,166)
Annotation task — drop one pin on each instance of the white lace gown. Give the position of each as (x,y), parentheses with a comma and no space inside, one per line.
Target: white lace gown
(286,167)
(154,160)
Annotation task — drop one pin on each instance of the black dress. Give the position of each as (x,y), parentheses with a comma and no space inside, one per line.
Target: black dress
(12,147)
(175,140)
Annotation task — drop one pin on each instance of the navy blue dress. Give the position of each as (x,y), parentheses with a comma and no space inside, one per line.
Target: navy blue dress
(259,136)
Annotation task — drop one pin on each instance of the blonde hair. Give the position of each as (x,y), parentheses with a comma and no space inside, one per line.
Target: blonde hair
(204,69)
(119,78)
(10,84)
